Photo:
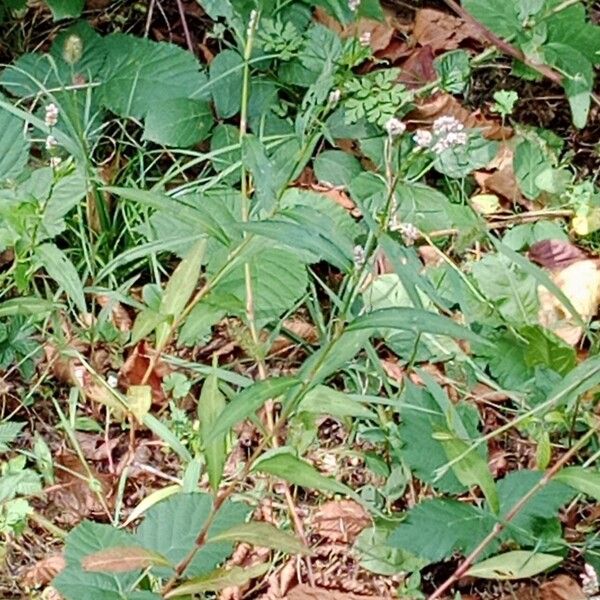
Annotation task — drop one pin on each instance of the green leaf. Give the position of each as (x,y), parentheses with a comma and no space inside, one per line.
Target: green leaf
(454,70)
(460,161)
(581,479)
(226,82)
(267,180)
(415,320)
(285,465)
(179,290)
(120,559)
(226,152)
(140,73)
(66,9)
(528,163)
(62,270)
(9,431)
(435,529)
(171,528)
(518,564)
(500,17)
(423,206)
(178,122)
(247,402)
(166,435)
(263,535)
(582,378)
(547,349)
(27,305)
(14,147)
(210,406)
(323,400)
(219,580)
(336,168)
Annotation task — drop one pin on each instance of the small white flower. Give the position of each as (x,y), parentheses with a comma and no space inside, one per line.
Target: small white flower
(365,39)
(55,161)
(450,140)
(112,381)
(589,580)
(251,22)
(51,142)
(353,5)
(51,117)
(395,127)
(410,234)
(447,125)
(423,138)
(359,256)
(334,96)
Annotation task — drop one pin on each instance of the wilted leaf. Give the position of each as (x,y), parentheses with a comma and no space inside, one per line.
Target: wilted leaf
(417,69)
(340,521)
(44,571)
(134,369)
(555,254)
(122,559)
(562,587)
(580,283)
(442,31)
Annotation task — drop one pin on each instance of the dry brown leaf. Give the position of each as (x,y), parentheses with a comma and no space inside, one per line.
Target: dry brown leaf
(44,571)
(120,317)
(302,329)
(443,104)
(417,69)
(393,370)
(561,587)
(555,254)
(442,31)
(134,370)
(336,194)
(580,283)
(306,592)
(340,521)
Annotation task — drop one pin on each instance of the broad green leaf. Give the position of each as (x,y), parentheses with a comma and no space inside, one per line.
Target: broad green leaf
(9,431)
(61,269)
(150,500)
(166,435)
(120,559)
(582,378)
(197,326)
(226,152)
(323,400)
(65,9)
(336,167)
(500,17)
(454,70)
(423,206)
(210,406)
(415,320)
(548,349)
(518,564)
(171,528)
(472,469)
(460,161)
(285,465)
(584,480)
(27,305)
(247,402)
(140,73)
(264,535)
(219,580)
(146,321)
(226,79)
(14,147)
(528,163)
(178,122)
(179,289)
(266,178)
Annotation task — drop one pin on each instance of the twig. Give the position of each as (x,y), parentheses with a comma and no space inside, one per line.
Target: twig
(186,30)
(503,45)
(512,513)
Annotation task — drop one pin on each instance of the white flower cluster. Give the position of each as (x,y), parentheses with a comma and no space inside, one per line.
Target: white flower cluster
(395,127)
(334,96)
(589,580)
(360,256)
(410,234)
(447,133)
(353,5)
(365,39)
(51,117)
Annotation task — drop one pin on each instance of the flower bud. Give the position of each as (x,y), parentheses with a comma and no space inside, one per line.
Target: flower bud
(72,49)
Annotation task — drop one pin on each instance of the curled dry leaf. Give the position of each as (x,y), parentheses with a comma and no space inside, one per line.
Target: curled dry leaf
(337,194)
(580,283)
(44,571)
(120,317)
(418,69)
(443,104)
(134,369)
(555,254)
(562,587)
(442,31)
(340,521)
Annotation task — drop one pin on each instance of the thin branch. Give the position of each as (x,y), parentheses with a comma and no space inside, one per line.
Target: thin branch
(186,30)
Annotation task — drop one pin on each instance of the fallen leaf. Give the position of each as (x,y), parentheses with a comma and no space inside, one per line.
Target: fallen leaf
(340,521)
(120,317)
(561,587)
(417,69)
(443,104)
(337,194)
(580,283)
(555,254)
(306,592)
(393,370)
(44,571)
(442,31)
(134,370)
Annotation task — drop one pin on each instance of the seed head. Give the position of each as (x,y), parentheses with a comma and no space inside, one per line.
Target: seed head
(51,142)
(423,138)
(51,117)
(72,49)
(395,127)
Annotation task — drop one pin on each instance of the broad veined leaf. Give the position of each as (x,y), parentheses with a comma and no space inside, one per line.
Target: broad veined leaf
(282,463)
(121,559)
(518,564)
(219,580)
(416,320)
(226,79)
(581,479)
(66,9)
(27,305)
(336,167)
(210,406)
(578,381)
(150,500)
(14,147)
(528,163)
(140,73)
(8,433)
(543,347)
(179,290)
(61,269)
(265,535)
(267,179)
(247,402)
(500,17)
(178,122)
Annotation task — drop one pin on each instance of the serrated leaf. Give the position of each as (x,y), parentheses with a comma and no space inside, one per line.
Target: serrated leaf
(285,465)
(8,433)
(247,402)
(14,147)
(518,564)
(65,9)
(581,479)
(210,406)
(263,535)
(219,580)
(61,269)
(121,559)
(337,168)
(180,122)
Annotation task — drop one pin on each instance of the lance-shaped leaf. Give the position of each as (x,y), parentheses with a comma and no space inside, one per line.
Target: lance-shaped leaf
(122,559)
(210,406)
